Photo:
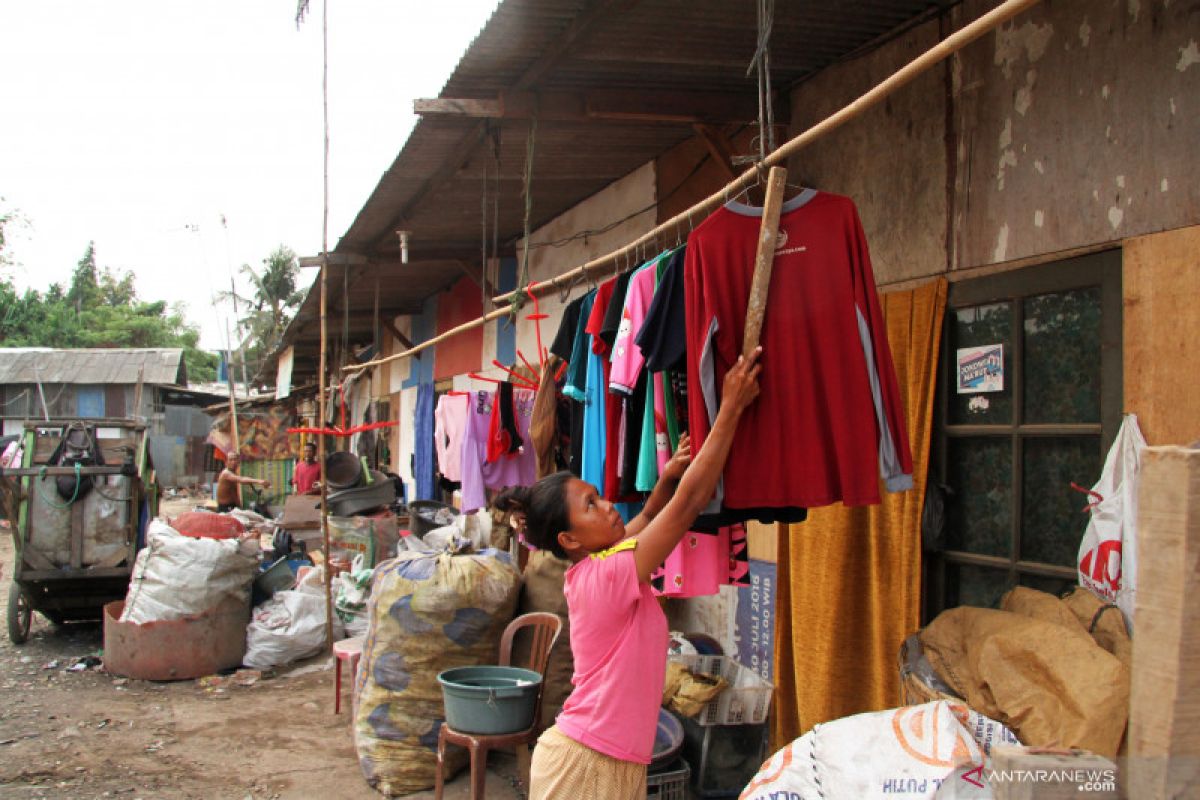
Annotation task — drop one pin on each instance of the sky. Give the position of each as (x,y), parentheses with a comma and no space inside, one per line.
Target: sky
(185,138)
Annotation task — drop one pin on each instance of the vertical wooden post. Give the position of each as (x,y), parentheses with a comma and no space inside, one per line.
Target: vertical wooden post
(1164,702)
(233,420)
(764,260)
(324,298)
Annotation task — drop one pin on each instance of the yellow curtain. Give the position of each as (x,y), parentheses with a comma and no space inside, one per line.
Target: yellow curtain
(850,578)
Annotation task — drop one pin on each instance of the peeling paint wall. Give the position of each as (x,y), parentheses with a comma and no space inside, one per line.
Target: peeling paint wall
(1078,124)
(891,160)
(1074,126)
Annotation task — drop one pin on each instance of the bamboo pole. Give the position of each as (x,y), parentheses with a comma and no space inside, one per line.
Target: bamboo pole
(604,265)
(764,260)
(324,347)
(233,419)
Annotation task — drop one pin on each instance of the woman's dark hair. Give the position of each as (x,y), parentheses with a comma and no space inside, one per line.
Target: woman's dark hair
(545,508)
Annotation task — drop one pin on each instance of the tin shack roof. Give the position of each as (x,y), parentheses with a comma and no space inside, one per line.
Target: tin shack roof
(613,84)
(158,366)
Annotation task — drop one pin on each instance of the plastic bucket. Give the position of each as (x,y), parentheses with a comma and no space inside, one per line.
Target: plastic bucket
(489,699)
(343,470)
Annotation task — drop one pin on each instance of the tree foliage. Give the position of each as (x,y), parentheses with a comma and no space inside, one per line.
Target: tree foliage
(265,316)
(100,308)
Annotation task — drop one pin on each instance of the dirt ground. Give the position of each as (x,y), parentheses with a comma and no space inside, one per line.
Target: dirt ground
(87,734)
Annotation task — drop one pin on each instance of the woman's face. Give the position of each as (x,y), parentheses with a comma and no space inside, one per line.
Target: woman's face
(595,523)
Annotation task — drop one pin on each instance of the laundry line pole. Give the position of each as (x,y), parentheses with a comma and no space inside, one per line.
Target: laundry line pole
(607,264)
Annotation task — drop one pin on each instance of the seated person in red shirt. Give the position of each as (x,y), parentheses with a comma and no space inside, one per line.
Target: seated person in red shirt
(307,471)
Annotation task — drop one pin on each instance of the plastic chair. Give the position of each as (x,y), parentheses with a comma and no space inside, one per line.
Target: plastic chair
(345,650)
(546,627)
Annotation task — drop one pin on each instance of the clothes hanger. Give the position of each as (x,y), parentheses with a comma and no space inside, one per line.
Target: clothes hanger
(516,378)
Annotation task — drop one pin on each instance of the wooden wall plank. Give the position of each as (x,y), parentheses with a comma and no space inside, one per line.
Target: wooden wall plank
(1161,284)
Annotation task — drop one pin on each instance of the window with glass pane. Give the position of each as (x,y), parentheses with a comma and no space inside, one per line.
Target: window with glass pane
(1010,454)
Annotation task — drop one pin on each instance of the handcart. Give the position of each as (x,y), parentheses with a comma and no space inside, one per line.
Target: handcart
(77,518)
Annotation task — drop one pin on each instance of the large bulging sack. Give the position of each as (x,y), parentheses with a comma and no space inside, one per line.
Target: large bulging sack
(1050,682)
(177,576)
(290,626)
(905,752)
(428,612)
(543,591)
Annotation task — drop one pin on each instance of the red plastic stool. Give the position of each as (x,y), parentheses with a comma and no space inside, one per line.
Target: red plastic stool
(345,650)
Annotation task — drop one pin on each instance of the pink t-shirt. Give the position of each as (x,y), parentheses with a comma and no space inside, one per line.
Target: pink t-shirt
(619,639)
(627,359)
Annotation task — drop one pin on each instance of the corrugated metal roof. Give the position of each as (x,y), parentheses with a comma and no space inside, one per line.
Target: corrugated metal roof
(648,50)
(91,366)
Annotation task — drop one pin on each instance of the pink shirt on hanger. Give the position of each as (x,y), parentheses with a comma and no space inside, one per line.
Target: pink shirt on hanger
(450,423)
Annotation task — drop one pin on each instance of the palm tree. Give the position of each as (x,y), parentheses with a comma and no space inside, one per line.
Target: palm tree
(275,299)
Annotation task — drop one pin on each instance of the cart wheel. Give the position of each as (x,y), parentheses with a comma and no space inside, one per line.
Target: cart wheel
(20,615)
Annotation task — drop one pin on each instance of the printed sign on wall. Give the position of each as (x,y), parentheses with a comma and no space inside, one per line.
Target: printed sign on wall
(981,369)
(754,629)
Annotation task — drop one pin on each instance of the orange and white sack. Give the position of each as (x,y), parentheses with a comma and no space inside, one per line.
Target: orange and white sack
(902,753)
(1108,552)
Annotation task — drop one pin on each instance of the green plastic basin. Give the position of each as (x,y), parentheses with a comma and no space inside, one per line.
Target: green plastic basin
(489,699)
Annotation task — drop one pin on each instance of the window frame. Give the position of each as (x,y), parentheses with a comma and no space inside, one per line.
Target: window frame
(1101,270)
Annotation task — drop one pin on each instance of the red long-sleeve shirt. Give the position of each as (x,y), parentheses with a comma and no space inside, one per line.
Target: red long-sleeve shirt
(829,421)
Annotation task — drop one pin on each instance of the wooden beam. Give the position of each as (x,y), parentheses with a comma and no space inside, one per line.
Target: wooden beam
(458,107)
(335,260)
(719,147)
(599,105)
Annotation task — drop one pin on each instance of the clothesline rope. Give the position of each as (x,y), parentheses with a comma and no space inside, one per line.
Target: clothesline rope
(603,266)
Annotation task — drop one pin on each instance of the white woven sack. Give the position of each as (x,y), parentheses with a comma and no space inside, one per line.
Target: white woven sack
(176,576)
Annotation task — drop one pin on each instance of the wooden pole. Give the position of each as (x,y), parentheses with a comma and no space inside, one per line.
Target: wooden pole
(764,260)
(601,267)
(233,419)
(324,345)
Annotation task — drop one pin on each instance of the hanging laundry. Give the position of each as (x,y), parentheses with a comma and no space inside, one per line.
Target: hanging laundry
(575,387)
(627,359)
(704,562)
(504,441)
(477,473)
(450,423)
(423,466)
(543,427)
(828,421)
(598,417)
(662,337)
(606,331)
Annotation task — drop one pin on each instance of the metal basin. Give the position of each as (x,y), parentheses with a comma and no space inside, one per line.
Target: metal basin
(177,649)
